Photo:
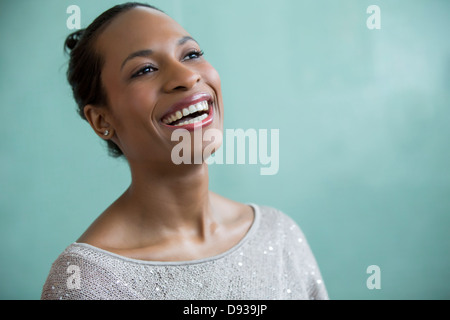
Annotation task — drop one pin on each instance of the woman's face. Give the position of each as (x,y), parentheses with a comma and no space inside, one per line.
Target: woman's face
(153,74)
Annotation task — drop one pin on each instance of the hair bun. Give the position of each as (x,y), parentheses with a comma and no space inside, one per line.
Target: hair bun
(72,39)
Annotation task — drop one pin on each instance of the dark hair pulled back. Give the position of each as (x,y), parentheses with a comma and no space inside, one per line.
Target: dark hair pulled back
(85,64)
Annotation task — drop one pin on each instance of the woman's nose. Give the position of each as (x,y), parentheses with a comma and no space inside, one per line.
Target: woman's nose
(180,77)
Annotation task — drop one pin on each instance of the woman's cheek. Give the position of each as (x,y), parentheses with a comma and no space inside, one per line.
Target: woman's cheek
(212,76)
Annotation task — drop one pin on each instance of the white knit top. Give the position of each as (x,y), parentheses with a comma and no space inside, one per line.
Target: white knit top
(272,261)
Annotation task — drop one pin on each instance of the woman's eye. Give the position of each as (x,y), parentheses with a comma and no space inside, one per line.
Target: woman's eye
(144,70)
(193,55)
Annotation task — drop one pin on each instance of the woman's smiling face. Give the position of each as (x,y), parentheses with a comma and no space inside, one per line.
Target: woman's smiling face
(153,73)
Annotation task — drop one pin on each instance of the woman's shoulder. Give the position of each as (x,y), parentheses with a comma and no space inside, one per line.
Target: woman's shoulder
(81,273)
(276,224)
(74,257)
(260,215)
(275,217)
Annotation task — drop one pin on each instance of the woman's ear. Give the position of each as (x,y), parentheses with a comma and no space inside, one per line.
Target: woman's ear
(97,118)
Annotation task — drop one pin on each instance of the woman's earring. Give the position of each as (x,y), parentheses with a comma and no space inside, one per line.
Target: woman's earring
(106,132)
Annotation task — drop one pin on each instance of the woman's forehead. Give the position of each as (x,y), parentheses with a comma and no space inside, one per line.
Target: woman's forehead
(136,27)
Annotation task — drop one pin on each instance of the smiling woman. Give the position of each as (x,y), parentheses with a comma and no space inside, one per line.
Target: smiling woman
(137,76)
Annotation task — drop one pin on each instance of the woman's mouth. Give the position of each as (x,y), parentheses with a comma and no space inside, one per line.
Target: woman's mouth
(194,115)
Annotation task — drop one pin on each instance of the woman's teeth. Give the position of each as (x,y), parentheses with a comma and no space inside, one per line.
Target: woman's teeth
(201,107)
(196,119)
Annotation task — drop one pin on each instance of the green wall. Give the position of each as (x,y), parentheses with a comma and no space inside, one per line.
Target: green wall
(363,117)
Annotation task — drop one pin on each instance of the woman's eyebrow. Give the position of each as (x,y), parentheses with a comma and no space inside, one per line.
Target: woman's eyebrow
(186,39)
(148,52)
(140,53)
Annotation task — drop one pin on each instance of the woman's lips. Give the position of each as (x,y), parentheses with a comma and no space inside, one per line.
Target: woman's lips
(190,113)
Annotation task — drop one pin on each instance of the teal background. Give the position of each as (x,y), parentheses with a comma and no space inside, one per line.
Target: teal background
(364,134)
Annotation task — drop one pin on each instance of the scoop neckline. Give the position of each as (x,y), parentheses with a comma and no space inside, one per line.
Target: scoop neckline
(250,232)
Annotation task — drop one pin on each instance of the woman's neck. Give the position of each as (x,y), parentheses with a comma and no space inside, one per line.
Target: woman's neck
(170,216)
(174,200)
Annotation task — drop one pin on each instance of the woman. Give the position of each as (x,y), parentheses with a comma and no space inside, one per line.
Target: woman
(135,75)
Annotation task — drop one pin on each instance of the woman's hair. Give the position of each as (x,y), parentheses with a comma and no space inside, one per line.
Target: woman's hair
(85,64)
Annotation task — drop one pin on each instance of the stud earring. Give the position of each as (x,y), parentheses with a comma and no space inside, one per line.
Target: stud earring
(106,133)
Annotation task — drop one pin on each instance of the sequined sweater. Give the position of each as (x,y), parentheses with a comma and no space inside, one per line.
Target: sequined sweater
(272,261)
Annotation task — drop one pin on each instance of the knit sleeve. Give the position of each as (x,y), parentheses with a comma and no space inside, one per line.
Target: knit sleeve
(74,277)
(300,263)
